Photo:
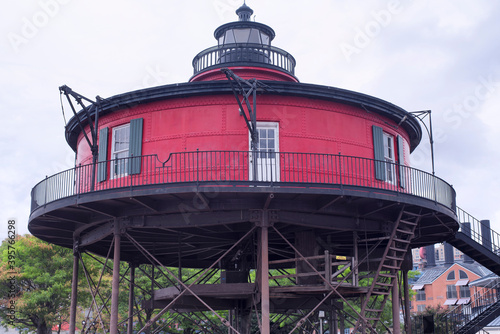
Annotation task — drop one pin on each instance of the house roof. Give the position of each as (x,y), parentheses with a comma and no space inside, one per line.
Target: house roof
(487,280)
(429,275)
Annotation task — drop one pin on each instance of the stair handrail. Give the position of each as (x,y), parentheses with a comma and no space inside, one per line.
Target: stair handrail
(479,303)
(478,231)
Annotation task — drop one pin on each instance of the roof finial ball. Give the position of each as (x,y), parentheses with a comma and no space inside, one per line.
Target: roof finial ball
(244,12)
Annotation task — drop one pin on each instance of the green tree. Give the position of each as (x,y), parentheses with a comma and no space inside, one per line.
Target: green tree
(35,284)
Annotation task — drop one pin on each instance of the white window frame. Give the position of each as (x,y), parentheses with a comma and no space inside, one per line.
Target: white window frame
(276,167)
(464,291)
(451,292)
(120,164)
(421,296)
(389,149)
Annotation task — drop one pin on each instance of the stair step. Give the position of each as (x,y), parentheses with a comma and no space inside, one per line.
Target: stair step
(404,231)
(391,267)
(373,239)
(407,222)
(411,214)
(387,275)
(394,258)
(373,310)
(401,240)
(384,284)
(398,249)
(383,293)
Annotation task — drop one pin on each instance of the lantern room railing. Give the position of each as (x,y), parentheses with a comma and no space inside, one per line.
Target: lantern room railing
(296,170)
(244,54)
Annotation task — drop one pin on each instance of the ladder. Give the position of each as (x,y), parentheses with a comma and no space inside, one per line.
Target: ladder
(394,253)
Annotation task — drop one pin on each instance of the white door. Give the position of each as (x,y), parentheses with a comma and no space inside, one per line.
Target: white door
(265,165)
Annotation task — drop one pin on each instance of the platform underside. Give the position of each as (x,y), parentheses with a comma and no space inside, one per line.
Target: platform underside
(197,223)
(239,295)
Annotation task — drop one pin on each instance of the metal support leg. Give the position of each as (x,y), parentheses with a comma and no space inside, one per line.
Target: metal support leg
(407,302)
(395,307)
(131,298)
(264,279)
(341,323)
(115,287)
(74,294)
(334,322)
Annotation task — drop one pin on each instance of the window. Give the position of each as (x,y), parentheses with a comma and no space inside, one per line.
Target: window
(385,157)
(126,150)
(120,150)
(462,274)
(420,294)
(464,291)
(451,276)
(420,308)
(451,292)
(265,166)
(389,157)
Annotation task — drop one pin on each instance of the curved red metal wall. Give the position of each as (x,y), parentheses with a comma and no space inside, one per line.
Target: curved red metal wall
(245,73)
(214,123)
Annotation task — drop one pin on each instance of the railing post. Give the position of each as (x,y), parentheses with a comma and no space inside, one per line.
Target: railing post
(46,189)
(340,171)
(197,167)
(486,234)
(466,229)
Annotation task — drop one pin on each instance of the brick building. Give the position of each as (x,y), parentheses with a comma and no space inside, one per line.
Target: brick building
(447,284)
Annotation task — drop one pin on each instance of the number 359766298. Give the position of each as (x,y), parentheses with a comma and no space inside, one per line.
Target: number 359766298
(11,233)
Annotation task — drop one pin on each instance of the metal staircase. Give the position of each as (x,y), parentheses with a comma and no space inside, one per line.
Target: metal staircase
(397,246)
(478,241)
(484,308)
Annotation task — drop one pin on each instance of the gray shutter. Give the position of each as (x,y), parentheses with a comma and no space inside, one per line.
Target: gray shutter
(135,146)
(102,168)
(378,147)
(401,160)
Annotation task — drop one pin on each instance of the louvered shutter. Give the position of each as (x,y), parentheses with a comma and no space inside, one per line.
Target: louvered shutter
(401,160)
(378,147)
(102,168)
(135,146)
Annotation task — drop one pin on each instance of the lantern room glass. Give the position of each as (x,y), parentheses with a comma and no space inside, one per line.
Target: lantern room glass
(244,36)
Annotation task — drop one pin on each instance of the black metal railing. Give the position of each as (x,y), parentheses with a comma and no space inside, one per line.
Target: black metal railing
(480,302)
(246,168)
(479,231)
(228,54)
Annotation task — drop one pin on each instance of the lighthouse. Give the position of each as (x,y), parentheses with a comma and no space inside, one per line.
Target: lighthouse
(288,200)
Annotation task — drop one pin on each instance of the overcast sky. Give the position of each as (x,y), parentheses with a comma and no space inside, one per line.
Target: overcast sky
(442,55)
